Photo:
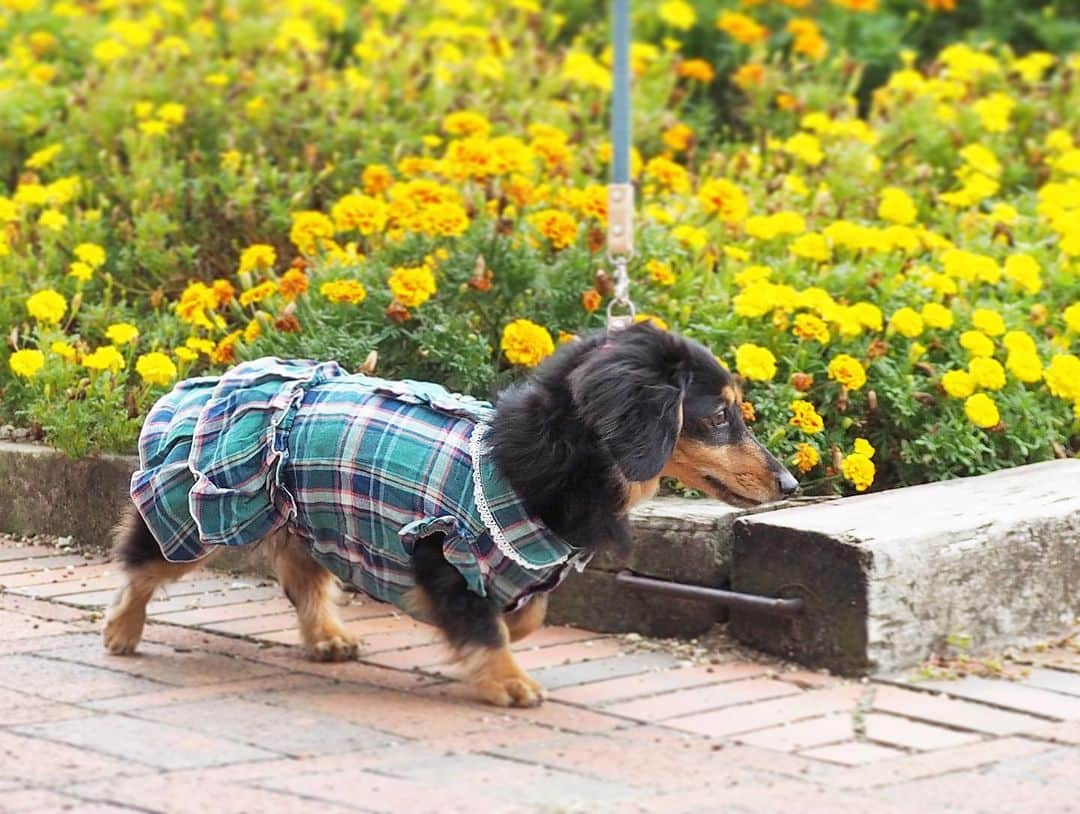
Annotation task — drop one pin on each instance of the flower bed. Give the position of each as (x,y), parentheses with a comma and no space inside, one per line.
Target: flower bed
(184,188)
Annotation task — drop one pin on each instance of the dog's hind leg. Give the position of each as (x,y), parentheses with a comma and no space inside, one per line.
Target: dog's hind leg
(474,627)
(146,570)
(313,591)
(526,619)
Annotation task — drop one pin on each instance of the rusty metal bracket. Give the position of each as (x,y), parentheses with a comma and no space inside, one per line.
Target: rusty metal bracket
(733,599)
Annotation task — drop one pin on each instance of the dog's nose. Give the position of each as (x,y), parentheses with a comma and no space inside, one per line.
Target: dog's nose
(787,483)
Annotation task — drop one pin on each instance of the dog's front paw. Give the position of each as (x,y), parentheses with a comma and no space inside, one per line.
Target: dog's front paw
(334,648)
(520,690)
(123,629)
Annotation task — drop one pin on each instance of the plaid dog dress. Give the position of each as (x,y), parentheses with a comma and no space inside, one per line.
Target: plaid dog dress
(360,468)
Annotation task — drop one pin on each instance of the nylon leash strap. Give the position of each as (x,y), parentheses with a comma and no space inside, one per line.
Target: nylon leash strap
(620,236)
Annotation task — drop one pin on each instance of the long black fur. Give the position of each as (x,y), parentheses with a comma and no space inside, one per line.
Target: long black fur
(465,618)
(133,544)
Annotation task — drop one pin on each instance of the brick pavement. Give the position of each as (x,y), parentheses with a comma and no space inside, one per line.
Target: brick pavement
(220,713)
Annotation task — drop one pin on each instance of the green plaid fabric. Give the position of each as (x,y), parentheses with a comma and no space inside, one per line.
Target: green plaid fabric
(359,467)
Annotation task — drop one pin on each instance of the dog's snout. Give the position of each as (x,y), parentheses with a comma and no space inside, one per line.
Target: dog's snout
(787,483)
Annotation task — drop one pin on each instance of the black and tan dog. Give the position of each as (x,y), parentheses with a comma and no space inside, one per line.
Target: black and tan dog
(588,436)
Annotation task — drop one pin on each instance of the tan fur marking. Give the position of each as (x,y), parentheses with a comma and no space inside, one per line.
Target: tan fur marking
(126,616)
(742,468)
(498,678)
(731,395)
(527,619)
(314,593)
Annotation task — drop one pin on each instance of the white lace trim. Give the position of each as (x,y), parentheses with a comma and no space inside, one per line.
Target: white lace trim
(507,550)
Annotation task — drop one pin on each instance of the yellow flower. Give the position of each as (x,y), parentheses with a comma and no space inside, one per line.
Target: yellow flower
(412,287)
(749,75)
(526,343)
(309,230)
(44,156)
(1063,376)
(292,284)
(172,113)
(106,357)
(155,368)
(80,271)
(982,411)
(691,236)
(805,417)
(958,384)
(994,112)
(858,470)
(808,326)
(987,372)
(848,371)
(1025,365)
(811,246)
(755,362)
(349,291)
(977,343)
(365,214)
(1072,317)
(121,333)
(91,253)
(988,321)
(559,227)
(196,343)
(863,447)
(696,69)
(65,350)
(1019,342)
(258,293)
(805,147)
(655,320)
(1024,270)
(806,457)
(257,256)
(896,206)
(196,300)
(376,178)
(720,196)
(741,28)
(678,14)
(47,306)
(186,354)
(53,219)
(660,272)
(466,123)
(937,316)
(677,137)
(26,363)
(906,322)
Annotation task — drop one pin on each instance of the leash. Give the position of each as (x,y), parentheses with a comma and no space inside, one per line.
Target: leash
(620,235)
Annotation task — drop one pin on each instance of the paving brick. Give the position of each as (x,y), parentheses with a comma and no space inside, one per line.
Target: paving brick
(568,653)
(980,793)
(293,731)
(149,744)
(39,800)
(853,753)
(40,571)
(558,634)
(20,626)
(41,609)
(702,699)
(951,711)
(1065,732)
(913,767)
(10,552)
(749,717)
(1013,696)
(23,708)
(802,735)
(81,581)
(42,646)
(167,604)
(896,731)
(26,759)
(654,682)
(223,613)
(600,669)
(1054,767)
(411,658)
(192,793)
(1053,680)
(68,681)
(247,688)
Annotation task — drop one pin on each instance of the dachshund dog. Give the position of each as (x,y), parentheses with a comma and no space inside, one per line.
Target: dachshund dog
(462,513)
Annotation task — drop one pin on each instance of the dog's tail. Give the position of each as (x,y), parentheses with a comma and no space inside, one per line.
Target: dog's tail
(133,544)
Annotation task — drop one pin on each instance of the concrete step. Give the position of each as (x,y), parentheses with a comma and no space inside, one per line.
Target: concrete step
(889,577)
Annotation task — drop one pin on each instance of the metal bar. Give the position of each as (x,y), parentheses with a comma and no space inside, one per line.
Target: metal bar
(732,599)
(620,98)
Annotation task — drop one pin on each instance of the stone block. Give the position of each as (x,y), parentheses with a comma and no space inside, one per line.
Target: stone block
(888,577)
(592,599)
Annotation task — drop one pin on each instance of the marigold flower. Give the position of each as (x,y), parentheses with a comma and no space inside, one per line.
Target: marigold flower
(988,321)
(47,306)
(678,137)
(26,363)
(1063,376)
(155,368)
(292,284)
(755,362)
(121,333)
(65,350)
(749,414)
(678,14)
(811,246)
(558,227)
(802,381)
(906,322)
(1072,317)
(808,326)
(805,417)
(466,123)
(741,28)
(848,371)
(1025,365)
(186,354)
(896,206)
(80,271)
(696,69)
(107,357)
(958,384)
(727,201)
(309,230)
(590,299)
(91,253)
(526,343)
(804,147)
(977,343)
(654,319)
(223,291)
(660,272)
(1024,270)
(936,316)
(749,75)
(376,178)
(987,372)
(858,470)
(412,286)
(362,213)
(982,411)
(806,457)
(258,293)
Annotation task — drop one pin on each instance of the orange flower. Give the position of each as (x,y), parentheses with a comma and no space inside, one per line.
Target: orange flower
(224,291)
(749,75)
(697,69)
(742,28)
(802,381)
(292,284)
(590,299)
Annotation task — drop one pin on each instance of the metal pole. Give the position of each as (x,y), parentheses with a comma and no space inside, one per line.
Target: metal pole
(731,599)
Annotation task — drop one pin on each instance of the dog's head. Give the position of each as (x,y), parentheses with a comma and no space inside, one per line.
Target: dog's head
(662,405)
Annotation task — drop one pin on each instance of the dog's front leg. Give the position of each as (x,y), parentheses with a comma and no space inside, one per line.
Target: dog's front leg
(474,627)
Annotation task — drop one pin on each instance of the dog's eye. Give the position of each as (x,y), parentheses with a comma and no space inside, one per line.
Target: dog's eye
(719,418)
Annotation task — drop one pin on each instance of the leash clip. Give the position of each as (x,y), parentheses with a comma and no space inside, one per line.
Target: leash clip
(621,298)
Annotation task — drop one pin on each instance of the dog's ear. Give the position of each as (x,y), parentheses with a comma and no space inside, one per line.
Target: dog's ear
(623,394)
